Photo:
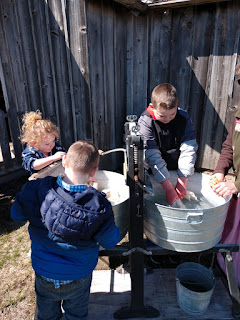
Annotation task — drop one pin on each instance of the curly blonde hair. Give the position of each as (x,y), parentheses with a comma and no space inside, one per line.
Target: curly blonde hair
(35,129)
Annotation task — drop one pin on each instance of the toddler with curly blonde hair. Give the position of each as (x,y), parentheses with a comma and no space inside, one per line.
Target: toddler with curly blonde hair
(40,136)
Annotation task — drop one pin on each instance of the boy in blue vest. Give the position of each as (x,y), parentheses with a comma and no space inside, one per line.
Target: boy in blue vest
(68,221)
(169,141)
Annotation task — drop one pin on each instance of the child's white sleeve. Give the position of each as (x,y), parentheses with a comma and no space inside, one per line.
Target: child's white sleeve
(187,158)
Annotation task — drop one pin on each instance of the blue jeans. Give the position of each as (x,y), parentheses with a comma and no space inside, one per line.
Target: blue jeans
(73,297)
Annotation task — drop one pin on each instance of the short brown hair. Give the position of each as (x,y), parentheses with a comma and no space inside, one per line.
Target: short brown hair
(82,156)
(164,96)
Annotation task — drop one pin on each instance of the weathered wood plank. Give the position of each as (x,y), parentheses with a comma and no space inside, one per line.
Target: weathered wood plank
(160,41)
(59,61)
(14,56)
(133,4)
(218,83)
(42,51)
(137,64)
(181,48)
(78,38)
(4,143)
(180,3)
(96,72)
(28,53)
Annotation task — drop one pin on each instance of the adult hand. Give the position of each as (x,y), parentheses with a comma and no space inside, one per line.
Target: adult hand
(181,187)
(216,178)
(224,189)
(171,194)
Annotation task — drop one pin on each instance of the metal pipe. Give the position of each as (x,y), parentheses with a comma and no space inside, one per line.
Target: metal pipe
(125,157)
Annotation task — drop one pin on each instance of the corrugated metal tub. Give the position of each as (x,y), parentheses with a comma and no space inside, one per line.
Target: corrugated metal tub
(195,228)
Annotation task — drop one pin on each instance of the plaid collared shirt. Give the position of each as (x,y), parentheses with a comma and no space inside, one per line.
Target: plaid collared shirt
(71,188)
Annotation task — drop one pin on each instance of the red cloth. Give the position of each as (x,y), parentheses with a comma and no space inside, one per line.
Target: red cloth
(231,234)
(150,111)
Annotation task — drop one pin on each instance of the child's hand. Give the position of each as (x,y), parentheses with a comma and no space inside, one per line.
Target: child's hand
(93,182)
(224,189)
(171,194)
(58,155)
(181,187)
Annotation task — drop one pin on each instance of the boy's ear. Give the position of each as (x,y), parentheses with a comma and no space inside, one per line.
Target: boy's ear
(92,173)
(64,160)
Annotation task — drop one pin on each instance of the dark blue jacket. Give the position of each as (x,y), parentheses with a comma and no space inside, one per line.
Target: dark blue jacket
(169,146)
(66,228)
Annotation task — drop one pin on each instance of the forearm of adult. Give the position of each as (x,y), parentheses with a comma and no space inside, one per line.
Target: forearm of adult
(225,161)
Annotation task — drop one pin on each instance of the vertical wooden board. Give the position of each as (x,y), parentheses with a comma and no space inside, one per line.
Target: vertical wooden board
(60,61)
(78,37)
(129,64)
(14,122)
(4,143)
(108,18)
(140,64)
(159,48)
(219,80)
(96,71)
(198,62)
(119,107)
(6,72)
(15,56)
(182,37)
(120,60)
(233,13)
(42,52)
(28,53)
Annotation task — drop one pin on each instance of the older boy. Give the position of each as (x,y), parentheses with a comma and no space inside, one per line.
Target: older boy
(67,222)
(169,140)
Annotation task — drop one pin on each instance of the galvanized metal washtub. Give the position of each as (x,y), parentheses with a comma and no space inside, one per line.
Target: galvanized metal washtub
(189,229)
(112,183)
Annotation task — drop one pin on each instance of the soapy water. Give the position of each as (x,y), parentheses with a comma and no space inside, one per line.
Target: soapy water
(200,203)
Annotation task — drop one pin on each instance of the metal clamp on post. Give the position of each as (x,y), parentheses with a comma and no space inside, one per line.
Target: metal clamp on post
(137,249)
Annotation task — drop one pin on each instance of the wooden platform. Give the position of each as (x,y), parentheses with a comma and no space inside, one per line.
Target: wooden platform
(111,291)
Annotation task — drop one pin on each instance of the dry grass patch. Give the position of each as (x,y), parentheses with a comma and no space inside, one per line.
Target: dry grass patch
(17,301)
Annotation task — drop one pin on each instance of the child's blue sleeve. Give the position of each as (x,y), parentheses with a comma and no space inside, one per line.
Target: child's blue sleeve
(109,235)
(17,212)
(29,155)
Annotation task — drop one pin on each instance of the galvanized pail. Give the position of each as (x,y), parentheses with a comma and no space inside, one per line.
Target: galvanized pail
(195,284)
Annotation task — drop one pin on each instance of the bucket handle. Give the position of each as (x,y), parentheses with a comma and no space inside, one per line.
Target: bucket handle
(195,217)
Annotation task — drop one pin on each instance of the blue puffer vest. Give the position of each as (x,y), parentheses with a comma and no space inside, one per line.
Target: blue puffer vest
(65,228)
(69,216)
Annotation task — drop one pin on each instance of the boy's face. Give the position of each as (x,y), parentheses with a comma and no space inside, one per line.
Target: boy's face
(165,115)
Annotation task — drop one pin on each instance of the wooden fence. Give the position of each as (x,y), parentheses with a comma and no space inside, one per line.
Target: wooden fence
(88,64)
